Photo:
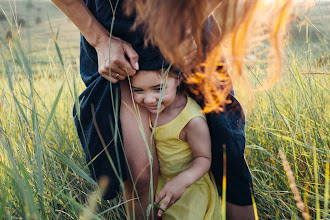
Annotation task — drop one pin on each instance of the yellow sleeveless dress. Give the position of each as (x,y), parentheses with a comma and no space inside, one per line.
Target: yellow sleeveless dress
(201,200)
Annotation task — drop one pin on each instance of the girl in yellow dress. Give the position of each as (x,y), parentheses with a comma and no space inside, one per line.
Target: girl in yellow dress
(186,188)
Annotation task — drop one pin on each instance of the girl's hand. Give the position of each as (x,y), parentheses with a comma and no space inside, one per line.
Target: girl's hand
(117,61)
(171,193)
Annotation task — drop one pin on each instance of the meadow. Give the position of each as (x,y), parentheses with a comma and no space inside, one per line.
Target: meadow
(43,173)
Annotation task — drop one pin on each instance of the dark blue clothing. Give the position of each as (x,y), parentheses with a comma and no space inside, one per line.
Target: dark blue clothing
(100,132)
(149,57)
(228,139)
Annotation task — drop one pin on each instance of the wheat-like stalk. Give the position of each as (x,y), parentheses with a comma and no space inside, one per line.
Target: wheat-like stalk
(293,186)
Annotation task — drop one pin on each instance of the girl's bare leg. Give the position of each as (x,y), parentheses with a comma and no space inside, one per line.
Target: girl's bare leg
(136,153)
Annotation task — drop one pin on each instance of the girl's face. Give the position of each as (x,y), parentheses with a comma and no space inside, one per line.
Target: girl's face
(147,87)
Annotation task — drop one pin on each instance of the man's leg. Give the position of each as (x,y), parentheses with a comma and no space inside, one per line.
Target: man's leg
(137,153)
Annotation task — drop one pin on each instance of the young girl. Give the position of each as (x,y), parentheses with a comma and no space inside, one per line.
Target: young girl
(186,189)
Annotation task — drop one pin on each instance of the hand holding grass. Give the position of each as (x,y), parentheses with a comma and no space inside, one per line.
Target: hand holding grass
(172,192)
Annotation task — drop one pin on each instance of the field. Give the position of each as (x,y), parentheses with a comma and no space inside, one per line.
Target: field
(42,167)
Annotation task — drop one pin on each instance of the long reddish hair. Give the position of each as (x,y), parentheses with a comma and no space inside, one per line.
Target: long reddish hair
(168,24)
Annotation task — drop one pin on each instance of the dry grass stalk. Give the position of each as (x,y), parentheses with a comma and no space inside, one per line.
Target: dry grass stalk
(300,204)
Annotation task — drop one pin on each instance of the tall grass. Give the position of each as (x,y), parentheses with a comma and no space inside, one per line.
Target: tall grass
(43,174)
(293,116)
(42,169)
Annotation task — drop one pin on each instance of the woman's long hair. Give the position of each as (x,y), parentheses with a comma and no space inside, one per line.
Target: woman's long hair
(170,24)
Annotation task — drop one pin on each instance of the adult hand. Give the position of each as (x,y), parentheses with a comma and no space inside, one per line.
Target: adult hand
(171,193)
(117,62)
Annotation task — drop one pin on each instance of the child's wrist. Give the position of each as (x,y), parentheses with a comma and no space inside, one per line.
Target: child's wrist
(187,180)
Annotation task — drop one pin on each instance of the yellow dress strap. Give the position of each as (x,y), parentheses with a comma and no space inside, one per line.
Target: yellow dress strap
(174,127)
(192,110)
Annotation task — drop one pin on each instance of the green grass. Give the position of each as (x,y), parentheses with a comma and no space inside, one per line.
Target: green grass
(42,168)
(293,116)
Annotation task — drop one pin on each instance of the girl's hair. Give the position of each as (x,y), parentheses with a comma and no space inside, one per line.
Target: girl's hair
(178,75)
(169,24)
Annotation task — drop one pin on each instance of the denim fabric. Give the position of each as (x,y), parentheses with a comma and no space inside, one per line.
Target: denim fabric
(100,104)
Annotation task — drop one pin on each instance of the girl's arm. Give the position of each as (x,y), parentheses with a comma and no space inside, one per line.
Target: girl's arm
(199,140)
(98,37)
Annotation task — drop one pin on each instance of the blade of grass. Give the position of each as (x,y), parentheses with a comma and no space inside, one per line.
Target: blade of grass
(3,201)
(224,184)
(317,198)
(326,192)
(52,112)
(73,166)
